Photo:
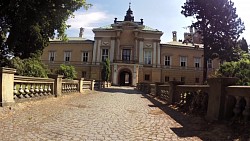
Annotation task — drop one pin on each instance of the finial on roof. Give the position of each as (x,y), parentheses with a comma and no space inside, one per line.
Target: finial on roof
(129,16)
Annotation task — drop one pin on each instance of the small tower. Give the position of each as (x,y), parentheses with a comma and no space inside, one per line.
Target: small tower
(129,16)
(81,32)
(174,36)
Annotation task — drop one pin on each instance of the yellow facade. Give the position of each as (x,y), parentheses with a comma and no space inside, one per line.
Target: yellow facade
(135,53)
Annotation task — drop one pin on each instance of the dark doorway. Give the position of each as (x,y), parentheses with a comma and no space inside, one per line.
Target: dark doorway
(125,78)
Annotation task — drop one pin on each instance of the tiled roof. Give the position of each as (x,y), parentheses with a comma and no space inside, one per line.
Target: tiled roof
(175,43)
(70,39)
(146,28)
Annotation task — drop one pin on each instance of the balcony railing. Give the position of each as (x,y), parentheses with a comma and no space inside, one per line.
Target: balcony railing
(126,61)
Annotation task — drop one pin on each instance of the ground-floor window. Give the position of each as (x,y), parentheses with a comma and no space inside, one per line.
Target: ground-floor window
(166,78)
(147,77)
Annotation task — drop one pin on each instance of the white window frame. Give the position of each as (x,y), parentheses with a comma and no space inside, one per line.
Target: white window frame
(67,54)
(85,56)
(167,58)
(105,54)
(148,57)
(52,54)
(197,60)
(183,59)
(209,63)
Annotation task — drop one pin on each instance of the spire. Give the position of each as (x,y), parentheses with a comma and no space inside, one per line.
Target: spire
(129,16)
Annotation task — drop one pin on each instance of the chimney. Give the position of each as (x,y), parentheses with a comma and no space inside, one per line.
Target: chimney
(174,36)
(81,32)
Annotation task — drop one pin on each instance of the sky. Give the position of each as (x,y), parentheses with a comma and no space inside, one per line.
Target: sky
(158,14)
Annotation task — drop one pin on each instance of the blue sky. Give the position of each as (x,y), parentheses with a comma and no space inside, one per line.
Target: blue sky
(159,14)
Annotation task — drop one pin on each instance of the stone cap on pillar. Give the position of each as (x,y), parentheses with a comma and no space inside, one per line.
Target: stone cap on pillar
(54,76)
(8,70)
(224,80)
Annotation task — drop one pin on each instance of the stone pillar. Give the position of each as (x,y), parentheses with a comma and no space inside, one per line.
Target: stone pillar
(141,53)
(94,52)
(92,85)
(57,84)
(81,85)
(173,95)
(154,55)
(112,50)
(114,75)
(158,55)
(7,86)
(118,57)
(99,55)
(217,97)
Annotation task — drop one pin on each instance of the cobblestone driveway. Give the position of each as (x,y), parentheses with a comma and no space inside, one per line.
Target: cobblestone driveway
(117,113)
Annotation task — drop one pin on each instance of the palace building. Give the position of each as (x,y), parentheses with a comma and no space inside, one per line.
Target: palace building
(135,52)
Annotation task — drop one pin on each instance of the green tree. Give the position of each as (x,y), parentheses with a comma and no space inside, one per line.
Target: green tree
(106,70)
(27,25)
(239,69)
(219,25)
(242,43)
(67,71)
(32,67)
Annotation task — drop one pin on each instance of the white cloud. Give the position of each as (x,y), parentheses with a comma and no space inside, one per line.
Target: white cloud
(86,19)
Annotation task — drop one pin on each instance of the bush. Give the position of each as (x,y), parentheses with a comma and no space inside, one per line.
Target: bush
(32,67)
(239,69)
(67,71)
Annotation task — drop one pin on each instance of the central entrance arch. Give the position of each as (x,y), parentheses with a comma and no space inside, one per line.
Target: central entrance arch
(125,77)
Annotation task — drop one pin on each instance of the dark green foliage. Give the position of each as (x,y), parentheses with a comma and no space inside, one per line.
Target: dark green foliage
(67,71)
(27,25)
(32,67)
(219,25)
(106,70)
(239,69)
(243,45)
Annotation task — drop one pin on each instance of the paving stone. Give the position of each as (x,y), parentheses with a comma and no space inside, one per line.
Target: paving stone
(116,113)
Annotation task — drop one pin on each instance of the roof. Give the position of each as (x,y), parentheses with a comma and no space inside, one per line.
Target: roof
(70,39)
(175,43)
(146,28)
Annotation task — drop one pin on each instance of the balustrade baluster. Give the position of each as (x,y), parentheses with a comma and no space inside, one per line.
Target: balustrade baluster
(26,90)
(15,92)
(32,91)
(236,109)
(49,89)
(45,89)
(41,90)
(21,91)
(246,112)
(36,91)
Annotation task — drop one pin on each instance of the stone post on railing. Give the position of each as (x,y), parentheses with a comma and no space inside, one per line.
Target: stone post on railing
(81,85)
(7,86)
(157,88)
(172,90)
(217,97)
(92,87)
(57,84)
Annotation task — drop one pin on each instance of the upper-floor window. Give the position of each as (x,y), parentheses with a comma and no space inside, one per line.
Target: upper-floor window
(209,63)
(85,56)
(147,77)
(105,54)
(52,56)
(126,54)
(197,62)
(167,60)
(67,56)
(183,61)
(148,57)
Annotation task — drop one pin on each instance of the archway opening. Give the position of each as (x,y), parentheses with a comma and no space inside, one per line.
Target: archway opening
(125,78)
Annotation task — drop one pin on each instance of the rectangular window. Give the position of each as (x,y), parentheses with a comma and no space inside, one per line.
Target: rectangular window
(148,57)
(126,54)
(105,54)
(166,78)
(197,80)
(52,56)
(85,56)
(147,77)
(67,56)
(182,79)
(197,62)
(167,61)
(84,74)
(183,61)
(209,63)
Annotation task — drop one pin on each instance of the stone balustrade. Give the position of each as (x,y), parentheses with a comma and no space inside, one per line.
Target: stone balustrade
(220,99)
(70,86)
(17,88)
(241,94)
(29,87)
